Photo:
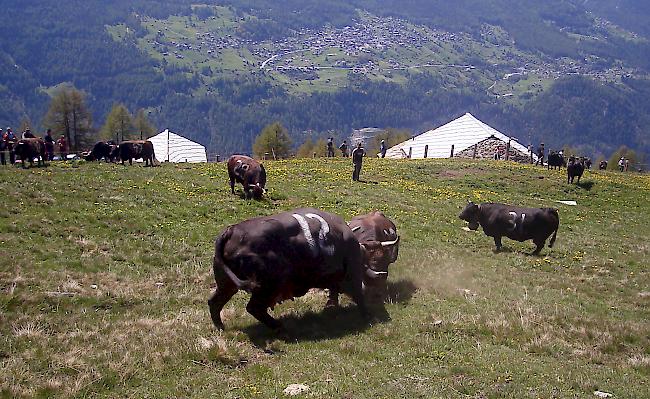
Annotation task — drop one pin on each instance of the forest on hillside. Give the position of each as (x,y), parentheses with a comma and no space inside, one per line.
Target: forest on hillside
(51,43)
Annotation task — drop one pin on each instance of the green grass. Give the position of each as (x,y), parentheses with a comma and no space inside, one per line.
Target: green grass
(105,272)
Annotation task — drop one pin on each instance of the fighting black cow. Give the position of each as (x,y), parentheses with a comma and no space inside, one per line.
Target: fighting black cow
(282,256)
(250,173)
(30,148)
(575,168)
(602,165)
(136,149)
(379,242)
(102,150)
(556,160)
(516,223)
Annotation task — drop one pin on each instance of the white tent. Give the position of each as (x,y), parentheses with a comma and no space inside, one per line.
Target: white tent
(464,133)
(172,147)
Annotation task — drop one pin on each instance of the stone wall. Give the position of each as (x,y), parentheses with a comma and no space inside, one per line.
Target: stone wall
(486,149)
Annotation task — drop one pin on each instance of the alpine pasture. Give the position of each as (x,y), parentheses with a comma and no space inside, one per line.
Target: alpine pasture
(105,272)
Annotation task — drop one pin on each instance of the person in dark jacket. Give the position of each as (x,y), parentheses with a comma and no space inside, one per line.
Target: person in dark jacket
(49,145)
(383,149)
(344,148)
(357,160)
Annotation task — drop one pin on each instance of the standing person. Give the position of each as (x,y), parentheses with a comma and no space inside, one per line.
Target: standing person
(627,164)
(10,141)
(344,148)
(63,147)
(540,154)
(330,147)
(49,145)
(382,149)
(357,159)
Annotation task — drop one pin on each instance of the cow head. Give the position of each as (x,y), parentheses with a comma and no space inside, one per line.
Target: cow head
(471,215)
(377,256)
(90,156)
(257,191)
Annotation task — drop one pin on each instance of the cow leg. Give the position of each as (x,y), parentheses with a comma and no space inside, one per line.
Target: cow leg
(540,245)
(222,294)
(258,308)
(497,242)
(130,161)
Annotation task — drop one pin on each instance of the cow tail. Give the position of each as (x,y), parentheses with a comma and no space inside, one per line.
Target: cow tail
(219,263)
(154,161)
(554,211)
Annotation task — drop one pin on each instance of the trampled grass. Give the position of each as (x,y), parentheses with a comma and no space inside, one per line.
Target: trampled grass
(105,272)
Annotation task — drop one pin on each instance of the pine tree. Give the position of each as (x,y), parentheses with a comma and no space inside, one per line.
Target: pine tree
(68,115)
(273,141)
(142,125)
(118,125)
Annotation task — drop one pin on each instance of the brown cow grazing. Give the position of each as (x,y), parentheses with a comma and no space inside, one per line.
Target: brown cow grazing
(282,256)
(136,149)
(379,242)
(516,223)
(575,168)
(30,148)
(250,173)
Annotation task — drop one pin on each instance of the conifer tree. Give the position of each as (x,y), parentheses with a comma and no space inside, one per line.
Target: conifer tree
(68,115)
(142,126)
(118,125)
(273,141)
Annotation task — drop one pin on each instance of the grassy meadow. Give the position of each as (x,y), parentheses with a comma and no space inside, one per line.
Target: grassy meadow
(105,272)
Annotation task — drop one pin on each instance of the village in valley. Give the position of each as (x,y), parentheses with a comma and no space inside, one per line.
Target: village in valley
(380,48)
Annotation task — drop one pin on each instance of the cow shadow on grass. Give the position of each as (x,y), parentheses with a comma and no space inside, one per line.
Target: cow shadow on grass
(331,322)
(587,185)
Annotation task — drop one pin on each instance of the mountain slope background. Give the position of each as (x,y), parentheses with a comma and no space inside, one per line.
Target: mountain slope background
(563,72)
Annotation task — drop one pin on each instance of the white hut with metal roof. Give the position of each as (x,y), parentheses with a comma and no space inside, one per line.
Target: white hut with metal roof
(465,137)
(172,147)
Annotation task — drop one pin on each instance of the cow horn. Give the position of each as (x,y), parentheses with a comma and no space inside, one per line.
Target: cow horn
(355,228)
(374,274)
(389,243)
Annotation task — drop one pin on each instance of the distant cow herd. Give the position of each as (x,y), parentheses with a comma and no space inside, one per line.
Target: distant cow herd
(283,256)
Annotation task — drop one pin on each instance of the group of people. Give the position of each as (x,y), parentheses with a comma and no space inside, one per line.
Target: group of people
(344,148)
(8,141)
(357,154)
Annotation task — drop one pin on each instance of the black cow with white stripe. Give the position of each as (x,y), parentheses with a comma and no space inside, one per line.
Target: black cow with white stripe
(516,223)
(282,256)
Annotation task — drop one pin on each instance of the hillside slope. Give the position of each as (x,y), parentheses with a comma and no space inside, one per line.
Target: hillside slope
(105,271)
(221,70)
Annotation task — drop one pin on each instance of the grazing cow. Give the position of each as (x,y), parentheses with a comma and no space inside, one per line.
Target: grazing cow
(379,242)
(516,223)
(602,165)
(30,148)
(101,149)
(282,256)
(556,160)
(136,149)
(250,173)
(574,168)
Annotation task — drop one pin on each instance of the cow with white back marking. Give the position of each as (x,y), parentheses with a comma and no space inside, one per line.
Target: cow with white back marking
(282,256)
(250,173)
(517,223)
